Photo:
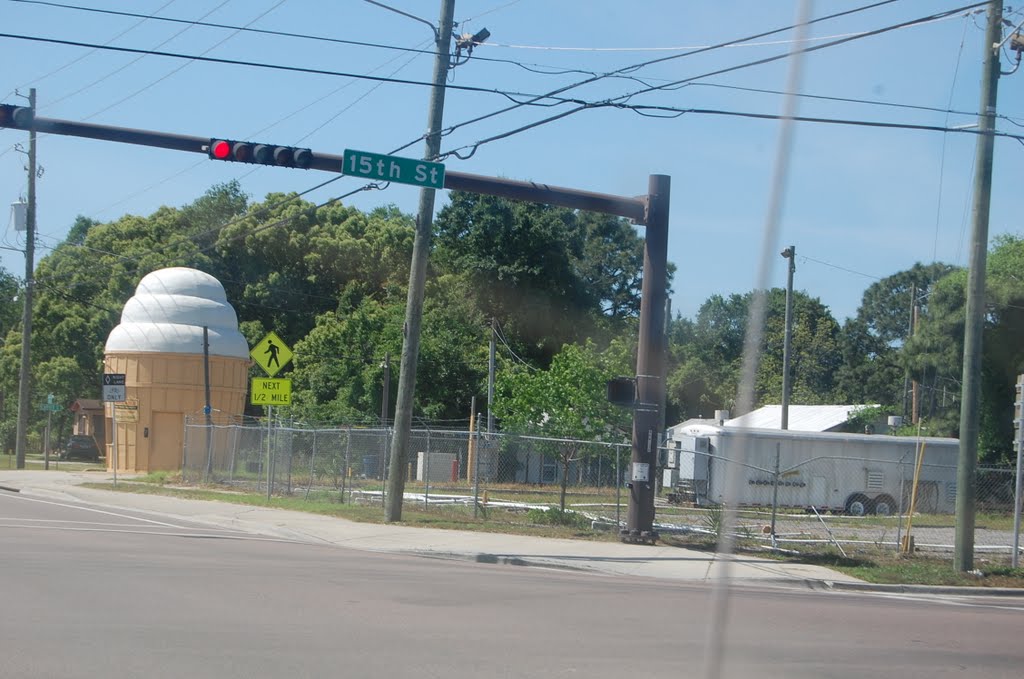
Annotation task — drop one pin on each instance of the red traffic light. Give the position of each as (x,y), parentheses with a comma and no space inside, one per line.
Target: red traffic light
(220,149)
(259,154)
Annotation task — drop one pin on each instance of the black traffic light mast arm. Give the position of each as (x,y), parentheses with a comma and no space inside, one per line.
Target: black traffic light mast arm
(631,208)
(650,210)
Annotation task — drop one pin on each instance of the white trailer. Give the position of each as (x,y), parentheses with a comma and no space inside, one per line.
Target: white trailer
(853,473)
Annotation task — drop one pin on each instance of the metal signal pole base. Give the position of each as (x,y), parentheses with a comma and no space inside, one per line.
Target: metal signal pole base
(639,537)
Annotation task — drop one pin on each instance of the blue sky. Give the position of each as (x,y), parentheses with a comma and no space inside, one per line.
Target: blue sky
(862,202)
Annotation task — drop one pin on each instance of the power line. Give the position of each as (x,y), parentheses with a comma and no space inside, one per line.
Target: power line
(845,100)
(180,66)
(281,67)
(553,70)
(677,84)
(107,45)
(840,268)
(74,61)
(617,102)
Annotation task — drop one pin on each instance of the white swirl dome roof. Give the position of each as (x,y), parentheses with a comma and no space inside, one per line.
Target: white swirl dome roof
(168,312)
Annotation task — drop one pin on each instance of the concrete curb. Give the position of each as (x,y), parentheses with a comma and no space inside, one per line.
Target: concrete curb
(920,589)
(483,557)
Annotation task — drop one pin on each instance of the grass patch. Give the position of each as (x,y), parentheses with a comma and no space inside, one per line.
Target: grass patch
(450,517)
(875,566)
(927,570)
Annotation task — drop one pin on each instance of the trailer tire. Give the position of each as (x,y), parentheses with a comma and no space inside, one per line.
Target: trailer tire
(858,504)
(884,505)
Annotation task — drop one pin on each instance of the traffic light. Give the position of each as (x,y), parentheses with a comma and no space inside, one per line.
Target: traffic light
(622,391)
(259,154)
(15,116)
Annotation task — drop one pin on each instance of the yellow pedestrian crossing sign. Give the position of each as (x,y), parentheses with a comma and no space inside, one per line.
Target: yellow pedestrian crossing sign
(271,353)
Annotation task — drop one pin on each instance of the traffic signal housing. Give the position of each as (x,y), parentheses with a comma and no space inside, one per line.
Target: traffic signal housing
(259,154)
(622,391)
(19,117)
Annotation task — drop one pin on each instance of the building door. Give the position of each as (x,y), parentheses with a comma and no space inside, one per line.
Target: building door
(165,442)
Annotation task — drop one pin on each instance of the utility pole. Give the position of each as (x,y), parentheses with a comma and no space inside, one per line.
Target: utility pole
(417,276)
(650,360)
(787,383)
(490,379)
(910,333)
(25,375)
(963,548)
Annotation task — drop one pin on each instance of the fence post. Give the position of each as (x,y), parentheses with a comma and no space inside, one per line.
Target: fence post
(234,451)
(476,469)
(426,472)
(348,466)
(312,465)
(775,492)
(618,488)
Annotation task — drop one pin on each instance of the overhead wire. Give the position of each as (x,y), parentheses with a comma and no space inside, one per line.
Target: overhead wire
(79,58)
(265,128)
(117,70)
(674,84)
(618,101)
(181,66)
(291,69)
(499,333)
(302,36)
(942,155)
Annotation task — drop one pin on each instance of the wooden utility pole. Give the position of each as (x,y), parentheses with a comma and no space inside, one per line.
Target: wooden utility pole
(418,276)
(25,375)
(970,401)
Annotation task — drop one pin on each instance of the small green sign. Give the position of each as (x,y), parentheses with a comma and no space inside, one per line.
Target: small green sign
(51,407)
(393,169)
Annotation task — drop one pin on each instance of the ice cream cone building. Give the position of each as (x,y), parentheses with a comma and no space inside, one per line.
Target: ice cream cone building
(159,348)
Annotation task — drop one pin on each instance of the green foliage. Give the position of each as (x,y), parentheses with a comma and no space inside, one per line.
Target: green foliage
(707,360)
(549,274)
(567,401)
(553,516)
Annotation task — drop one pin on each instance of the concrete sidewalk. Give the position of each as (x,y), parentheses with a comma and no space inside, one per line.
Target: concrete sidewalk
(609,558)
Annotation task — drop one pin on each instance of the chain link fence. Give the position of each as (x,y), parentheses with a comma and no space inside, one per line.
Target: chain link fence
(849,503)
(445,467)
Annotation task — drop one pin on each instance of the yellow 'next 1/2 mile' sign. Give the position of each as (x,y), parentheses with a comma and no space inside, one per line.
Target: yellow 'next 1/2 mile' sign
(270,391)
(271,353)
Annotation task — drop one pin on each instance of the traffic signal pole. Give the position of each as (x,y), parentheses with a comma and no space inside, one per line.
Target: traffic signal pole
(650,210)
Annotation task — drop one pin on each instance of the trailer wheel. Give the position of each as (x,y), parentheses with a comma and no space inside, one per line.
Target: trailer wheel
(858,504)
(885,505)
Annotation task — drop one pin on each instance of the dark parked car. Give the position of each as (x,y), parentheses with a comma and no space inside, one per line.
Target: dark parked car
(81,447)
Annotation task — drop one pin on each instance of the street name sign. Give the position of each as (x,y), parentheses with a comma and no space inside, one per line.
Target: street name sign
(270,391)
(271,353)
(114,390)
(393,169)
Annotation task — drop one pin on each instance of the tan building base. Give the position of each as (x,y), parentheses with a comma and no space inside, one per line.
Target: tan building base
(161,390)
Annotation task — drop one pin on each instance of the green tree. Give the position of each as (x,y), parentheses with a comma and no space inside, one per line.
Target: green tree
(936,351)
(707,354)
(873,369)
(551,275)
(567,401)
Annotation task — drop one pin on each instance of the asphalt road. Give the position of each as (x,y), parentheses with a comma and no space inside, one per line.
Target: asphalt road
(88,592)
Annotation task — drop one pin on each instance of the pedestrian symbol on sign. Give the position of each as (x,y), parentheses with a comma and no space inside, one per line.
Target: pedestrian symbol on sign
(271,354)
